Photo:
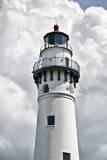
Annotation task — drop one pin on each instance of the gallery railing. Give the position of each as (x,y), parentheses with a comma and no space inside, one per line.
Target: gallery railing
(56,45)
(56,61)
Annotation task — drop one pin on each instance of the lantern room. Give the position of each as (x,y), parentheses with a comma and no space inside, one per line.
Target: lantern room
(56,37)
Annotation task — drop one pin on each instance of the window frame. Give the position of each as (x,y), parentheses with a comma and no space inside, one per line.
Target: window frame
(46,91)
(66,154)
(48,120)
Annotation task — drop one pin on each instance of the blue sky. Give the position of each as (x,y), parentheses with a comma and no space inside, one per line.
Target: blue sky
(87,3)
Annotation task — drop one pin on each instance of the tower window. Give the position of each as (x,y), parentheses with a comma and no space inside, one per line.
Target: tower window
(66,156)
(67,62)
(46,88)
(51,120)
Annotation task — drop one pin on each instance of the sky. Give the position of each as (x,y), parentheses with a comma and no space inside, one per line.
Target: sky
(22,27)
(87,3)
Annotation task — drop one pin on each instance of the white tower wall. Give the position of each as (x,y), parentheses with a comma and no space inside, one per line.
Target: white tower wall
(52,141)
(56,52)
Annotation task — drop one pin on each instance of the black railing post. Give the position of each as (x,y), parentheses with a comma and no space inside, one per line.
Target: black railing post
(58,75)
(45,76)
(51,75)
(65,75)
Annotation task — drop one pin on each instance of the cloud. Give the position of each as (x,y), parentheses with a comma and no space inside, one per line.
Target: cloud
(89,34)
(22,27)
(16,116)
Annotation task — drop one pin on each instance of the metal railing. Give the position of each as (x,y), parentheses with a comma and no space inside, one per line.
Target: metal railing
(56,61)
(56,45)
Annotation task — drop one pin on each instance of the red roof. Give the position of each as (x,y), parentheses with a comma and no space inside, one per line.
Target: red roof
(56,29)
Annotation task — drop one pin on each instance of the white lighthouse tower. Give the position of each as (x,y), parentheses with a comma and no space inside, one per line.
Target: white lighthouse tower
(56,75)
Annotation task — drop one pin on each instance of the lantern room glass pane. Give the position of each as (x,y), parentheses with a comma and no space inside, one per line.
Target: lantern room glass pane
(51,39)
(58,39)
(64,39)
(46,39)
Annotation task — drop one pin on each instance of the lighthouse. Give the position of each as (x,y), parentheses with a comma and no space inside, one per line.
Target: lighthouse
(56,76)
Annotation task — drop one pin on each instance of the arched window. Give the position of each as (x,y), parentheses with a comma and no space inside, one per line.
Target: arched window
(46,88)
